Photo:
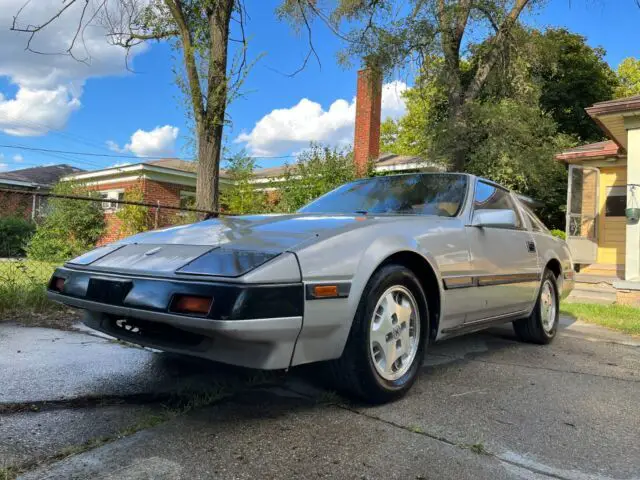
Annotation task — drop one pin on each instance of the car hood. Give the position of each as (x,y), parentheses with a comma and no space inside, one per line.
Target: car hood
(275,233)
(228,246)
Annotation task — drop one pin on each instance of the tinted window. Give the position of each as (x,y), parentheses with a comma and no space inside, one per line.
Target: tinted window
(488,197)
(421,194)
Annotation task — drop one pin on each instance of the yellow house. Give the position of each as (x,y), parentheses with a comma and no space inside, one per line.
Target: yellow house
(603,201)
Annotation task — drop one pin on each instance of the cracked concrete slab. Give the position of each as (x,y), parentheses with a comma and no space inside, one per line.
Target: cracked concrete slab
(566,411)
(40,364)
(28,437)
(270,436)
(570,407)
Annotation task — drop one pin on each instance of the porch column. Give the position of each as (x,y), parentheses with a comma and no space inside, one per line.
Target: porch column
(632,252)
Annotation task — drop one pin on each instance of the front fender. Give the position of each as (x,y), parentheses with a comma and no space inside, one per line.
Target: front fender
(327,323)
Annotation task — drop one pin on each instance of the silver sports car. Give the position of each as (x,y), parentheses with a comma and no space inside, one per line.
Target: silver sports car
(364,278)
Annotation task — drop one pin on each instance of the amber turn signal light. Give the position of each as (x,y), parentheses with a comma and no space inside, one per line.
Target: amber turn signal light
(191,304)
(58,284)
(325,291)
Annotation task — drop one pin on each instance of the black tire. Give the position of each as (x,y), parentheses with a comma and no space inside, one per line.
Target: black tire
(531,329)
(354,372)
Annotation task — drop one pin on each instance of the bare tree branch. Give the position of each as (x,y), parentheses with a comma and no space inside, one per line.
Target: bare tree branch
(487,14)
(312,49)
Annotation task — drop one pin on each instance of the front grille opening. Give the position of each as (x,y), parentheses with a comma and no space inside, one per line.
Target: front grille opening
(154,332)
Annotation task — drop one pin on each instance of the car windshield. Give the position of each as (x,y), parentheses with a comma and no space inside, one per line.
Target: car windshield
(420,194)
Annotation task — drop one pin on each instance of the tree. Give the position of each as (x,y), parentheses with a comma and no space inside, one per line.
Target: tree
(509,137)
(432,28)
(628,78)
(200,29)
(318,170)
(412,134)
(514,144)
(133,218)
(243,195)
(571,76)
(70,228)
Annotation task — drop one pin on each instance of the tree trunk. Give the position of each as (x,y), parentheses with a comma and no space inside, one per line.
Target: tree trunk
(210,132)
(209,150)
(457,124)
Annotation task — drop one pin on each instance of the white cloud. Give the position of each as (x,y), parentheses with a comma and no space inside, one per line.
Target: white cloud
(159,142)
(35,112)
(114,147)
(18,158)
(293,128)
(49,87)
(4,167)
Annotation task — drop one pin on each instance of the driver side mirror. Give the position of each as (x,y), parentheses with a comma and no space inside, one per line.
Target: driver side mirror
(504,218)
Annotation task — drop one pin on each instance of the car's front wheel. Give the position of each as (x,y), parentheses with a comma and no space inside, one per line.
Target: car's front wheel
(542,325)
(388,337)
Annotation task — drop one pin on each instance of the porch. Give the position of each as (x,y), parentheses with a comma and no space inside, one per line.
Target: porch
(603,203)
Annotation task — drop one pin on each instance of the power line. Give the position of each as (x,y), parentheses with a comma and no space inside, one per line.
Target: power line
(113,155)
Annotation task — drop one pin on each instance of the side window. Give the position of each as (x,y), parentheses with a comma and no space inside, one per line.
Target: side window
(536,223)
(489,197)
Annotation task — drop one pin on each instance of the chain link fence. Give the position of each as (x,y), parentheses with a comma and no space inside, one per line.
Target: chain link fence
(23,277)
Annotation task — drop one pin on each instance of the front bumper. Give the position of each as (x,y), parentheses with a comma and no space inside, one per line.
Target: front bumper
(233,332)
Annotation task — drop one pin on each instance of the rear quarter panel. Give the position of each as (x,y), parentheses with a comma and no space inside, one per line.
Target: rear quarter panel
(550,248)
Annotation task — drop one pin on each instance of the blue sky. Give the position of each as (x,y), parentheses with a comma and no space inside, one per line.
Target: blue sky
(90,106)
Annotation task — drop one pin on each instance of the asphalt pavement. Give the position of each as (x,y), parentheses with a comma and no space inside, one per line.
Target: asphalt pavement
(73,405)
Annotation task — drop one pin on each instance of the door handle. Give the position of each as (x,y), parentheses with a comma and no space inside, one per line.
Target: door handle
(531,246)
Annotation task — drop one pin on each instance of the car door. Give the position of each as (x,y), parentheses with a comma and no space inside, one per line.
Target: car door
(504,260)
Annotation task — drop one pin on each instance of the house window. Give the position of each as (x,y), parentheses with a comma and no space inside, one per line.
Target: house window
(111,195)
(616,202)
(187,199)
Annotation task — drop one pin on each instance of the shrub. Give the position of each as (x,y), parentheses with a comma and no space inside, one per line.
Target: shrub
(559,233)
(319,170)
(134,218)
(15,233)
(71,227)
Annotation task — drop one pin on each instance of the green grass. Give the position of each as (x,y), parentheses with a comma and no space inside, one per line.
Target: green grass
(619,317)
(23,286)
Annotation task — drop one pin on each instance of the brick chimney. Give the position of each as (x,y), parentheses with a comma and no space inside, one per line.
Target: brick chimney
(366,143)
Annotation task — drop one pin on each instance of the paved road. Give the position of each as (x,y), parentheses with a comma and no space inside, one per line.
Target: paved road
(485,406)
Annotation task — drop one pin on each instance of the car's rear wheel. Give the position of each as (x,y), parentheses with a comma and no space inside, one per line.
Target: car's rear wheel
(388,338)
(542,325)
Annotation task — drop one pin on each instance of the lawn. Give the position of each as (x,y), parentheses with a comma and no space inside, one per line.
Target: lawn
(619,317)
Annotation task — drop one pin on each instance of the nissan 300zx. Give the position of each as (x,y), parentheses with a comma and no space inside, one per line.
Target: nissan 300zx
(363,278)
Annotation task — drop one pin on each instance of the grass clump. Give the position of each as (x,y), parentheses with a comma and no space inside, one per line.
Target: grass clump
(619,317)
(23,285)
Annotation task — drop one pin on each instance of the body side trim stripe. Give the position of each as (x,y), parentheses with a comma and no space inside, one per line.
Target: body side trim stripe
(466,281)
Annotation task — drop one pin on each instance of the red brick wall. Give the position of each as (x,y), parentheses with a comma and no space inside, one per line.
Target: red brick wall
(167,194)
(112,228)
(153,191)
(366,143)
(15,204)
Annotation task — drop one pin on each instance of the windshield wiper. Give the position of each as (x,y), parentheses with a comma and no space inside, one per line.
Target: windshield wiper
(361,212)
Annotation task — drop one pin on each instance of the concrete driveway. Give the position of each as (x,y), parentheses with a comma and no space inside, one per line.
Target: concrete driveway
(485,406)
